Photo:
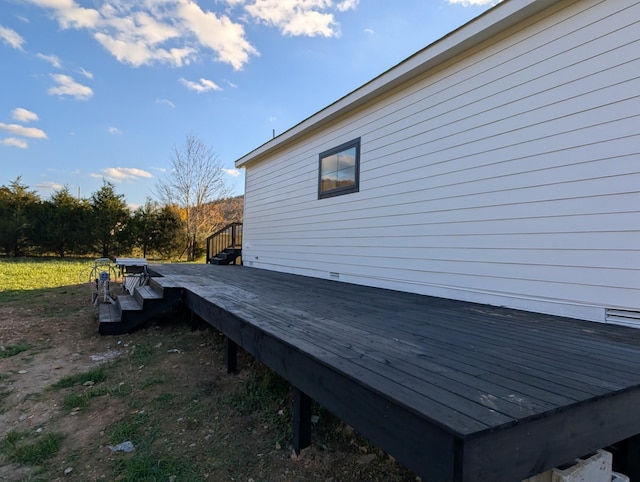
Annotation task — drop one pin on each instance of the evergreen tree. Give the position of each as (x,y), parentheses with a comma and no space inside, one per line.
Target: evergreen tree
(60,225)
(110,220)
(17,206)
(156,229)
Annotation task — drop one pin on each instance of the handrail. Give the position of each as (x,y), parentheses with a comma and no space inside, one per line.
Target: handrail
(228,237)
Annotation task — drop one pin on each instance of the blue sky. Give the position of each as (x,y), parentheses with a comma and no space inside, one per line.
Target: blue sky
(105,89)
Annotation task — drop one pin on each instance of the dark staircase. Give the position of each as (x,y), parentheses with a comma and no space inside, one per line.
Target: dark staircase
(225,246)
(132,311)
(228,256)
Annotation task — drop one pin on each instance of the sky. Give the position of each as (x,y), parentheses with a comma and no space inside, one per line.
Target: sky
(94,90)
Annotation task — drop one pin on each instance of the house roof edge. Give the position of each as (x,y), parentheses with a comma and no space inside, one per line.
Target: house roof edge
(490,23)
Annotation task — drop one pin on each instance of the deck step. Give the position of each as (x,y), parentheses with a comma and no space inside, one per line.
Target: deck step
(128,303)
(146,293)
(228,256)
(131,311)
(109,313)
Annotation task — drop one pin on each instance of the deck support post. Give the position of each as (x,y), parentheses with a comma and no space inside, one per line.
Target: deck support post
(232,355)
(301,420)
(628,454)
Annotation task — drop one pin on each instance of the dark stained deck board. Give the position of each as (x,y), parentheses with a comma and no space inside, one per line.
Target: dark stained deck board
(582,379)
(578,376)
(403,371)
(527,335)
(474,380)
(522,322)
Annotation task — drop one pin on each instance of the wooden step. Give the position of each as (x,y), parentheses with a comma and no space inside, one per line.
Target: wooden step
(146,293)
(108,313)
(128,303)
(131,311)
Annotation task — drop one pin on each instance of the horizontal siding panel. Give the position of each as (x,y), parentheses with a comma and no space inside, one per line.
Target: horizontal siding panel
(505,204)
(567,275)
(497,114)
(604,241)
(407,254)
(511,286)
(473,220)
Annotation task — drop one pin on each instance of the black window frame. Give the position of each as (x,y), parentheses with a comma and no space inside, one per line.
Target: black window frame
(339,191)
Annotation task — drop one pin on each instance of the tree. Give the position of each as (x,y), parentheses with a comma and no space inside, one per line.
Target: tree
(226,211)
(17,205)
(156,229)
(195,179)
(60,224)
(111,217)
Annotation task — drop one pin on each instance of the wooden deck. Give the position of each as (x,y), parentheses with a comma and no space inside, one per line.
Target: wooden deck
(456,391)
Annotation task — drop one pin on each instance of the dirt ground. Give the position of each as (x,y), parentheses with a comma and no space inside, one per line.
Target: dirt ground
(167,391)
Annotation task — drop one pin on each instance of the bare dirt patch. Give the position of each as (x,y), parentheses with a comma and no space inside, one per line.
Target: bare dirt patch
(165,390)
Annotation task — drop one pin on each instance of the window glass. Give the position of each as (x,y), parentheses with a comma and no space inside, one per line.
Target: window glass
(339,170)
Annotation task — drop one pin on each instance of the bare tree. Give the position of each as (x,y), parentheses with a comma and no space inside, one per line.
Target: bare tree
(195,179)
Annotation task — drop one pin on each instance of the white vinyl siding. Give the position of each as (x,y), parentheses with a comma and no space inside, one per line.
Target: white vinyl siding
(510,175)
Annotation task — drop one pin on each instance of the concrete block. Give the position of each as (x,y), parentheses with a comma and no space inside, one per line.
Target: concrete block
(596,468)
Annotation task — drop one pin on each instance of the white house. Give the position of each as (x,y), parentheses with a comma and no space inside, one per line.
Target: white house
(500,165)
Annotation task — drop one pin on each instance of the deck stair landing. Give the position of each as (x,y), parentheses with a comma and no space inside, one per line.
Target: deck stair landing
(131,311)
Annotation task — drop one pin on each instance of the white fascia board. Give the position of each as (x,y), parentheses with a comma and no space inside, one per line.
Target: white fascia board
(481,28)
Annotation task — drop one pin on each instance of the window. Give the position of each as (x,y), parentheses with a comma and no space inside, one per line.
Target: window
(339,170)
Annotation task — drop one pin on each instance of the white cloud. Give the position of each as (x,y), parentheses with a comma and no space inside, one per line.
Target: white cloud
(118,174)
(137,52)
(49,186)
(69,14)
(178,32)
(68,86)
(24,115)
(220,34)
(203,85)
(19,130)
(174,32)
(295,17)
(232,172)
(86,73)
(114,131)
(469,3)
(347,5)
(369,31)
(165,102)
(52,59)
(11,37)
(230,84)
(14,142)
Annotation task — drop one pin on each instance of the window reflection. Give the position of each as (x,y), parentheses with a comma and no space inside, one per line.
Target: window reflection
(339,169)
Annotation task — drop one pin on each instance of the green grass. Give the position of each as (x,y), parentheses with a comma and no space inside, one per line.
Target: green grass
(81,400)
(267,396)
(145,466)
(22,449)
(141,354)
(38,273)
(96,375)
(13,350)
(156,378)
(131,428)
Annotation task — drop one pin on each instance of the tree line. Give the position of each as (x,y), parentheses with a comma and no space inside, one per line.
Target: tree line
(195,203)
(103,225)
